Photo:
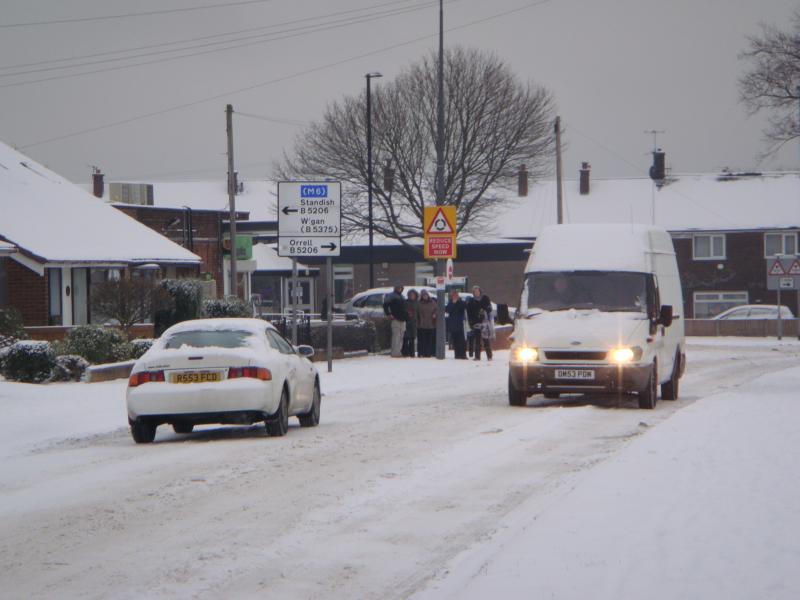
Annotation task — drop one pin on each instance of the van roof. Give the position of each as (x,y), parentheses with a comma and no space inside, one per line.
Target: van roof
(601,247)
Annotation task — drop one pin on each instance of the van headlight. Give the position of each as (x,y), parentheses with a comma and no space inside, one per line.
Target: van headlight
(525,354)
(625,355)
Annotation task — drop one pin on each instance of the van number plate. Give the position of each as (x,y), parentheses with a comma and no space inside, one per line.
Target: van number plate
(583,374)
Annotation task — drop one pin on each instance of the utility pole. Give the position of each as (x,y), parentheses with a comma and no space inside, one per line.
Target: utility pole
(231,198)
(370,77)
(440,199)
(559,173)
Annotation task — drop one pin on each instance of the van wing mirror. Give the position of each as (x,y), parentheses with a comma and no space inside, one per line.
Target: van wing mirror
(665,315)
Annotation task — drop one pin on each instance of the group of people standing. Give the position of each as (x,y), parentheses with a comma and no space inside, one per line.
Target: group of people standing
(469,324)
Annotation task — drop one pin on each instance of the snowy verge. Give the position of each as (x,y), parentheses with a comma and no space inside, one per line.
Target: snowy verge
(704,506)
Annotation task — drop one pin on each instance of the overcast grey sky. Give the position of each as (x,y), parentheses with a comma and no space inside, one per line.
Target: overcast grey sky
(616,67)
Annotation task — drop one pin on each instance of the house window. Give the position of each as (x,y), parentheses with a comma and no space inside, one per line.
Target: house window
(708,246)
(422,272)
(780,243)
(343,286)
(54,297)
(710,304)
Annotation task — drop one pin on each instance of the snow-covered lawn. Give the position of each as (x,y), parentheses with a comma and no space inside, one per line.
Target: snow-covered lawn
(420,479)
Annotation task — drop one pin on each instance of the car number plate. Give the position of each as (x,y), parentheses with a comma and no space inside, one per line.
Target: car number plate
(583,374)
(196,377)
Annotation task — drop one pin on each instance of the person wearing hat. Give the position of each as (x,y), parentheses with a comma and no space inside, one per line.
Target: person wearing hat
(394,306)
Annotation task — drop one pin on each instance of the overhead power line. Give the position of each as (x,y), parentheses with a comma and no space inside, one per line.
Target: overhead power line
(283,78)
(148,13)
(197,39)
(272,37)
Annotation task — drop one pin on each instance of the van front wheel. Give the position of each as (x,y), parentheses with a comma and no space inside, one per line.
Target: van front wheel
(669,390)
(516,397)
(649,395)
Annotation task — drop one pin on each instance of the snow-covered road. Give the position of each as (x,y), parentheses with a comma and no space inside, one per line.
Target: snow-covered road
(416,466)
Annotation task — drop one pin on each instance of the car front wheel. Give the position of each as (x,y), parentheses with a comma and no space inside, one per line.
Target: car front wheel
(278,424)
(311,418)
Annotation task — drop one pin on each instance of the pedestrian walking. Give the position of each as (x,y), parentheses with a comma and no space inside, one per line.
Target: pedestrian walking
(456,311)
(394,307)
(410,336)
(477,304)
(426,325)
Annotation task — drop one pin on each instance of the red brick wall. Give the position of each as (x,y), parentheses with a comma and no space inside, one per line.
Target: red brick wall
(27,291)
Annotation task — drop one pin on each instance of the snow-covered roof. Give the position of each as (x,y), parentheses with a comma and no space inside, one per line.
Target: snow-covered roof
(267,260)
(56,221)
(6,248)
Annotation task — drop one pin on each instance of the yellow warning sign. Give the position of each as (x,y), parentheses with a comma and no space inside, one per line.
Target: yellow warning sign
(440,220)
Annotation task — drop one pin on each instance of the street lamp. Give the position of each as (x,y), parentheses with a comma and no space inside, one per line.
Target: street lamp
(370,77)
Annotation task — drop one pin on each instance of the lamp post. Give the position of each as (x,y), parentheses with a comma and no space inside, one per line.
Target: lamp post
(370,77)
(440,198)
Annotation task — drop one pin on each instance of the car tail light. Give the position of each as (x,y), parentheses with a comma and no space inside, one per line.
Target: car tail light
(145,377)
(250,372)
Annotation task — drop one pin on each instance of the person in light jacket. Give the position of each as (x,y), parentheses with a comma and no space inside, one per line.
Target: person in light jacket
(426,324)
(394,307)
(456,311)
(479,309)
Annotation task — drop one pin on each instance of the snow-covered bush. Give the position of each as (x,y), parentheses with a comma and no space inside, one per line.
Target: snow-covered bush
(139,346)
(187,296)
(28,362)
(11,323)
(227,308)
(349,336)
(6,341)
(69,367)
(95,344)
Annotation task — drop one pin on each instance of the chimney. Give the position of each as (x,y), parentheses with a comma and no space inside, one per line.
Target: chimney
(586,169)
(97,182)
(658,171)
(522,181)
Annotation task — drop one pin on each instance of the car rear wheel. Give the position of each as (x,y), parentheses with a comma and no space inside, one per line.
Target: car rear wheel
(311,418)
(278,424)
(669,390)
(516,397)
(182,427)
(649,395)
(143,432)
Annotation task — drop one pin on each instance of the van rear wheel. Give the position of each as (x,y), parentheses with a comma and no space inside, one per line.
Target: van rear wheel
(649,395)
(516,397)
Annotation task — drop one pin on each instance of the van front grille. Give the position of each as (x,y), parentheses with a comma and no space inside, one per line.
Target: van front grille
(574,355)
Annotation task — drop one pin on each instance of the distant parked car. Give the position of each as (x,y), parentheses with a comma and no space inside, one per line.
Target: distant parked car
(369,303)
(754,312)
(234,371)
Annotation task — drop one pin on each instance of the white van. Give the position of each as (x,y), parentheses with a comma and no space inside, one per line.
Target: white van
(599,314)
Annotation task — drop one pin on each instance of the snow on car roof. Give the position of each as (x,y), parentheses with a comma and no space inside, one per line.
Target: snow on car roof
(57,221)
(252,325)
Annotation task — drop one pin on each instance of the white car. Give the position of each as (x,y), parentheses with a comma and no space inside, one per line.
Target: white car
(756,312)
(369,303)
(231,371)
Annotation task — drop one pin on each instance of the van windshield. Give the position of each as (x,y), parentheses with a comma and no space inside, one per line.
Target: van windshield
(601,290)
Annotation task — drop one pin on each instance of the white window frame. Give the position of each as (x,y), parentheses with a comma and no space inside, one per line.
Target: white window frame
(711,237)
(705,297)
(784,235)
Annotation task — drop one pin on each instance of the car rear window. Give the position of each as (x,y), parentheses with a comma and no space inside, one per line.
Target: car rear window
(209,339)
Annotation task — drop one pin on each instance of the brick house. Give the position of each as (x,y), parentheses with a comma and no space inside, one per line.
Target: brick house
(59,242)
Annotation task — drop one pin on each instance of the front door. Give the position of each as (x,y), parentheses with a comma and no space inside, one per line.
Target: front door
(304,300)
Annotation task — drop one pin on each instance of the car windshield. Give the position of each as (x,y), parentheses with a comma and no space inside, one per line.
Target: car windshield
(223,338)
(601,290)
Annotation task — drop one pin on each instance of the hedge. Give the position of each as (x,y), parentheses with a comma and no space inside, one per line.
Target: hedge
(96,344)
(187,296)
(69,367)
(227,308)
(28,362)
(350,336)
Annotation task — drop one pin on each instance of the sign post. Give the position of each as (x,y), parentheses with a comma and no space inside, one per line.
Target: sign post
(783,273)
(439,227)
(309,225)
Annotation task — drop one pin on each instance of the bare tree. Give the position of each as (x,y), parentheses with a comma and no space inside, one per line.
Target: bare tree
(494,123)
(771,81)
(129,301)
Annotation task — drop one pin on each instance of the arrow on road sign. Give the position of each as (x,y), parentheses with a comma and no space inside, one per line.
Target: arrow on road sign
(777,268)
(287,210)
(330,246)
(440,224)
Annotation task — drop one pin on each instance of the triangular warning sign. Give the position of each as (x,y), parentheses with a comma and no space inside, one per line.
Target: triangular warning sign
(440,224)
(777,268)
(795,268)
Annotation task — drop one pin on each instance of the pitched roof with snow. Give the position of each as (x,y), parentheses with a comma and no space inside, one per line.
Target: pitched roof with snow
(54,220)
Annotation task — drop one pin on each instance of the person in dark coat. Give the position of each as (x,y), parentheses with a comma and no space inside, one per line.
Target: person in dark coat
(426,324)
(410,336)
(479,310)
(455,312)
(394,307)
